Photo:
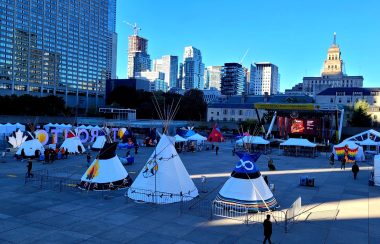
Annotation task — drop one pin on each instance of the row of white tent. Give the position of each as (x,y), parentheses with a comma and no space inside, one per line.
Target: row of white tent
(196,137)
(69,126)
(9,128)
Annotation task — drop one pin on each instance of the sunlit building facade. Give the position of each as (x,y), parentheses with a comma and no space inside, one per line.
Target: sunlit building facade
(64,48)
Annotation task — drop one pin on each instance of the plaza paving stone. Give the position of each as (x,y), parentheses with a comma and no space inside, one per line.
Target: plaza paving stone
(340,209)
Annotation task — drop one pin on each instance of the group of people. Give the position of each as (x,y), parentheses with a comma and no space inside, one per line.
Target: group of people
(355,167)
(52,154)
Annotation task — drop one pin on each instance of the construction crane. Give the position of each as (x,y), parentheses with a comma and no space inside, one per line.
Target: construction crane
(245,54)
(135,28)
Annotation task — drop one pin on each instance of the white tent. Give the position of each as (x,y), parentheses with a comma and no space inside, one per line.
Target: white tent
(179,138)
(106,172)
(30,147)
(368,142)
(352,145)
(98,143)
(246,186)
(72,144)
(20,126)
(252,140)
(164,177)
(197,137)
(298,142)
(376,169)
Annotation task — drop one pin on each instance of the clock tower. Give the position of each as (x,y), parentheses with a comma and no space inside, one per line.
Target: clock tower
(333,63)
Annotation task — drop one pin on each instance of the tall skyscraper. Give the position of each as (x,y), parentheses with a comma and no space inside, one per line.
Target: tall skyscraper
(266,79)
(213,77)
(193,69)
(180,76)
(138,57)
(112,40)
(333,74)
(58,48)
(168,65)
(233,79)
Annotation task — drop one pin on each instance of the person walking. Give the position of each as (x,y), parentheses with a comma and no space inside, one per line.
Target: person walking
(355,170)
(267,229)
(29,167)
(343,164)
(331,159)
(216,149)
(136,147)
(66,153)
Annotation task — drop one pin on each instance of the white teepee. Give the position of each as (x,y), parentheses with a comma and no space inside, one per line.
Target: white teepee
(106,172)
(30,147)
(99,143)
(72,144)
(164,178)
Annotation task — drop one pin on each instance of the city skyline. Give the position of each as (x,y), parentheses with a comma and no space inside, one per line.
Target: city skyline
(296,37)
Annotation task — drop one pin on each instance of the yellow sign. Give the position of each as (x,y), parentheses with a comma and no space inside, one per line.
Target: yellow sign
(282,106)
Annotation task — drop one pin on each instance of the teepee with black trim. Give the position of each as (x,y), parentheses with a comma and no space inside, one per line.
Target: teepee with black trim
(246,186)
(106,172)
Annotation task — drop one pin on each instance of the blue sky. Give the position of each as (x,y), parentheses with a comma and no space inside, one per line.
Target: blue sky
(293,34)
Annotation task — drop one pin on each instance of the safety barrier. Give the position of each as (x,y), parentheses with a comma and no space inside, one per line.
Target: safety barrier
(237,212)
(293,212)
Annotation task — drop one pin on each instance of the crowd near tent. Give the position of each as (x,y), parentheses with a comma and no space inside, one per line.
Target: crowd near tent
(164,177)
(106,172)
(299,147)
(186,132)
(30,147)
(246,186)
(73,145)
(376,169)
(99,143)
(8,128)
(349,150)
(215,135)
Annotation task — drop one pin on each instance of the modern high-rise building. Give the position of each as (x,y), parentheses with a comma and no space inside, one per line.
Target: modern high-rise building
(168,65)
(180,77)
(58,48)
(233,79)
(213,77)
(266,79)
(333,74)
(193,69)
(138,57)
(156,79)
(252,73)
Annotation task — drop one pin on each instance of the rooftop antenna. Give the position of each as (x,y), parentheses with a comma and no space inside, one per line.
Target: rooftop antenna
(135,28)
(334,39)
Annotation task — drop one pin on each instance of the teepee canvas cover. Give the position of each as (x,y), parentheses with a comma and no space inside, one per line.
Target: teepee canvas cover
(99,143)
(215,135)
(164,175)
(106,172)
(71,145)
(30,147)
(246,186)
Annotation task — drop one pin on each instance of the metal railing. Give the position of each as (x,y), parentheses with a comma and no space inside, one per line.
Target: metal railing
(237,212)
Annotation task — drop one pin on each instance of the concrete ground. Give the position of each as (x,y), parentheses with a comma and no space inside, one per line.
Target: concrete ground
(338,209)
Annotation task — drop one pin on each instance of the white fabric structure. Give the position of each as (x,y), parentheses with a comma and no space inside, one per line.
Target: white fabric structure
(30,147)
(98,143)
(110,170)
(352,145)
(376,169)
(368,142)
(298,142)
(163,175)
(72,144)
(252,140)
(372,134)
(57,126)
(197,137)
(179,138)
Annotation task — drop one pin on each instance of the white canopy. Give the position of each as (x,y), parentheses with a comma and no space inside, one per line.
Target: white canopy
(58,126)
(179,138)
(252,140)
(299,142)
(372,134)
(9,128)
(352,145)
(376,169)
(196,137)
(368,142)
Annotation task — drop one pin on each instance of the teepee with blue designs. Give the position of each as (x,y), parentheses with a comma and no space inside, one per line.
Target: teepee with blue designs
(246,186)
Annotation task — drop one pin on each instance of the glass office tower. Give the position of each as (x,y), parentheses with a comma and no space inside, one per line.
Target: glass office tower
(57,47)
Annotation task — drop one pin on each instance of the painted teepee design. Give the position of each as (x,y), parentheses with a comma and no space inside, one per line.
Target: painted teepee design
(73,144)
(106,172)
(164,177)
(246,186)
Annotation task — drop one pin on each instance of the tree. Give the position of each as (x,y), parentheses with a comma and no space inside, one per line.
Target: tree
(360,116)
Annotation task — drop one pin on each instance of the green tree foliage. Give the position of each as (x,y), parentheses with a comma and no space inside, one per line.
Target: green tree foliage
(192,105)
(32,105)
(250,126)
(360,116)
